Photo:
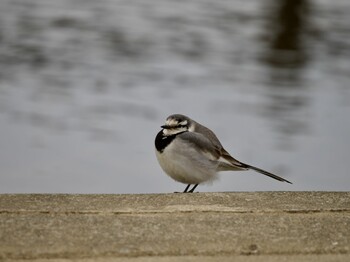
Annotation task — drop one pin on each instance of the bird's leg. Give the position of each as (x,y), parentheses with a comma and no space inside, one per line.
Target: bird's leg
(193,188)
(188,186)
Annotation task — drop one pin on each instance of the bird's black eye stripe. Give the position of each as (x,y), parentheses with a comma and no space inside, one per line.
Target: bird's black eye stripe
(174,127)
(178,126)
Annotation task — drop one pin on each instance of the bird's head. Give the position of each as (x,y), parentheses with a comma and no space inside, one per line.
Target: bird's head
(177,123)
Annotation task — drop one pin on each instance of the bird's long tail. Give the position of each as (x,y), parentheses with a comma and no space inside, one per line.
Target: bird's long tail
(231,163)
(261,171)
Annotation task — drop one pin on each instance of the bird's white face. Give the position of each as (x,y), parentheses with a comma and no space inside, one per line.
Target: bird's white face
(174,126)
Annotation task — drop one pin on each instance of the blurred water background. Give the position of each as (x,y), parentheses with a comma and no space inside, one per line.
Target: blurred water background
(85,86)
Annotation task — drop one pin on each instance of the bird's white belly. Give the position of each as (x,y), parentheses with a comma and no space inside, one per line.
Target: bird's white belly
(186,165)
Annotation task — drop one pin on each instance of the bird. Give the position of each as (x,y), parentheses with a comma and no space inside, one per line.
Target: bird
(192,154)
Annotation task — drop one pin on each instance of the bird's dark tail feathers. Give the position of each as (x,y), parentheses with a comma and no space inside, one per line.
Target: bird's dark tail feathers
(261,171)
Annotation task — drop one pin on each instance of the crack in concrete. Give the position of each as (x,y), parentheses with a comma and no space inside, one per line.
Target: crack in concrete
(153,212)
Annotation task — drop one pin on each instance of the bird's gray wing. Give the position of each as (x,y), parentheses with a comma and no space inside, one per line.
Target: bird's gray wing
(206,141)
(226,161)
(201,144)
(208,134)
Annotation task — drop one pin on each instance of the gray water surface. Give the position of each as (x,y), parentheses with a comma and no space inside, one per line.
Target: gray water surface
(85,86)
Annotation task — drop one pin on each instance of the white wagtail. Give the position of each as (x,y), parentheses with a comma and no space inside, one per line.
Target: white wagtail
(191,153)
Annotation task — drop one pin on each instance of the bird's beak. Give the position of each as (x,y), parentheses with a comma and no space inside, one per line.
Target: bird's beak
(165,127)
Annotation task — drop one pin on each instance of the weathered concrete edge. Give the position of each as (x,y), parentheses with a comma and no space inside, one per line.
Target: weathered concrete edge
(232,202)
(175,211)
(219,258)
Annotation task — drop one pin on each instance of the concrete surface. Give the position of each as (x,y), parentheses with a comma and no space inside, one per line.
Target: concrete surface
(259,226)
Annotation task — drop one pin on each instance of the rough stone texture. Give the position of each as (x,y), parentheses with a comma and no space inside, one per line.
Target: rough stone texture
(276,226)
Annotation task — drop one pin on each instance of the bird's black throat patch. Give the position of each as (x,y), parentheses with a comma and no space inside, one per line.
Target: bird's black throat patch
(162,141)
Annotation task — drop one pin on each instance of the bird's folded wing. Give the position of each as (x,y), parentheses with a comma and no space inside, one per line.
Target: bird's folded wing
(202,144)
(214,152)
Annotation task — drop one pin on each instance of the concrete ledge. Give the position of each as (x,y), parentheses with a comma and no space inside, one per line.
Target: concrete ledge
(276,226)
